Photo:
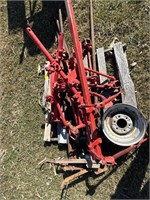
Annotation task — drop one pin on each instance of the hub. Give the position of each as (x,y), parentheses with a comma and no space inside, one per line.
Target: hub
(122,124)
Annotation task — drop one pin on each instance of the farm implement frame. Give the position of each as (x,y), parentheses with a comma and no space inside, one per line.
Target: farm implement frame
(101,107)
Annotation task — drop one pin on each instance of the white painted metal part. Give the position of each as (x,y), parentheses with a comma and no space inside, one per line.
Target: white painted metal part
(62,134)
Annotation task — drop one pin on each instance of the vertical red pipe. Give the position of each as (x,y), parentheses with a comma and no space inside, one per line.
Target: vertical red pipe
(80,66)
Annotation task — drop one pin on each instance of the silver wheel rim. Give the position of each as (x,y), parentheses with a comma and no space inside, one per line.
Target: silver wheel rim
(123,124)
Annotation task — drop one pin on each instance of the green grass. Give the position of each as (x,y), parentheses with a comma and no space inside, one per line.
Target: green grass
(21,117)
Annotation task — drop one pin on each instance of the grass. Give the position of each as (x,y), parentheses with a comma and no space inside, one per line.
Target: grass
(21,117)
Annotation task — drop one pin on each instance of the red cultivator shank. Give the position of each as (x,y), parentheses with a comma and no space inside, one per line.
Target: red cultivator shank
(72,82)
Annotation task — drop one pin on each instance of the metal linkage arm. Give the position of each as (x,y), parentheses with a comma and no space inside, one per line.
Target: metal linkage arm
(40,45)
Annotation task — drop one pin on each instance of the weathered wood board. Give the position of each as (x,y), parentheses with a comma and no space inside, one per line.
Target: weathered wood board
(85,61)
(47,132)
(101,64)
(101,61)
(128,94)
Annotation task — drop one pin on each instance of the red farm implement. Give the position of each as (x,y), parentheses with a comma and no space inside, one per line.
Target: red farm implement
(85,107)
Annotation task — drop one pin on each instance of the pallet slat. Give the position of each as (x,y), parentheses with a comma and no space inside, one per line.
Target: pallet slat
(128,94)
(47,132)
(101,64)
(101,60)
(85,61)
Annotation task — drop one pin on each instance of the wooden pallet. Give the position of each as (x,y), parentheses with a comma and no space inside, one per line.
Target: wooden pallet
(121,68)
(128,94)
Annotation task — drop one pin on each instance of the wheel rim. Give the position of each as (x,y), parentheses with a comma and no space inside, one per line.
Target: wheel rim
(123,124)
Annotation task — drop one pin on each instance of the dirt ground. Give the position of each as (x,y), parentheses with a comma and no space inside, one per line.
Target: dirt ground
(22,119)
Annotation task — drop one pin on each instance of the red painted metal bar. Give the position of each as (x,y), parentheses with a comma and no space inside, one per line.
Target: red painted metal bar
(60,111)
(101,86)
(127,150)
(100,73)
(60,46)
(60,42)
(69,81)
(40,45)
(100,104)
(80,65)
(78,51)
(97,95)
(52,61)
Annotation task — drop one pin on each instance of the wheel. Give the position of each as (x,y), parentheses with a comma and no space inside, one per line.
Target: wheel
(123,124)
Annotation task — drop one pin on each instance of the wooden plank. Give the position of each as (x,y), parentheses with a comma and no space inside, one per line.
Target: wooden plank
(85,62)
(68,161)
(111,50)
(102,68)
(101,64)
(47,132)
(128,94)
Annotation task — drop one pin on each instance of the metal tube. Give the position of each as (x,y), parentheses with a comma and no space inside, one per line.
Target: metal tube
(39,44)
(80,65)
(61,29)
(127,150)
(92,35)
(100,73)
(61,21)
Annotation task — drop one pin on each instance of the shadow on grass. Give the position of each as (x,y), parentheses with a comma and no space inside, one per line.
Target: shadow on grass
(43,23)
(129,187)
(90,188)
(16,15)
